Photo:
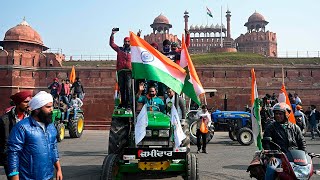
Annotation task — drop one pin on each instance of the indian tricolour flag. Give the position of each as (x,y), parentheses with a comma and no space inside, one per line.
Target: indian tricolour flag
(283,97)
(209,12)
(255,112)
(150,64)
(192,85)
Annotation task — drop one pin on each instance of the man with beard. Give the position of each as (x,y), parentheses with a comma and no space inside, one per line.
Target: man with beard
(32,145)
(9,119)
(153,102)
(123,69)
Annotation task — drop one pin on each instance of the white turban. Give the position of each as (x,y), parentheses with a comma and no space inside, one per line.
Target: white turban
(39,100)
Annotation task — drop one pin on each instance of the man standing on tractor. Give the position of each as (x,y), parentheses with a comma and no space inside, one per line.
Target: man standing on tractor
(203,116)
(154,103)
(284,133)
(54,86)
(78,88)
(32,144)
(9,119)
(171,101)
(123,69)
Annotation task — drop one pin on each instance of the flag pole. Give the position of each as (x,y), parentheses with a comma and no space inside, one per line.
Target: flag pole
(282,75)
(221,43)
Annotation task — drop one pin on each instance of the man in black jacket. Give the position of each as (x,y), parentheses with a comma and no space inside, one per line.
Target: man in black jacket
(287,135)
(78,88)
(9,119)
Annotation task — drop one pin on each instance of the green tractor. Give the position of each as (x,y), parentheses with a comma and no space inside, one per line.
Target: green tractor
(155,154)
(75,126)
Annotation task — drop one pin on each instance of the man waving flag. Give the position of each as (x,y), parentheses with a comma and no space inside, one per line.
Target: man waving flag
(150,64)
(192,85)
(255,112)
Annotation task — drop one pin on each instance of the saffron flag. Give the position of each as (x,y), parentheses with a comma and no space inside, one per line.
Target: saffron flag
(209,12)
(283,97)
(150,64)
(141,125)
(255,112)
(179,135)
(72,76)
(192,85)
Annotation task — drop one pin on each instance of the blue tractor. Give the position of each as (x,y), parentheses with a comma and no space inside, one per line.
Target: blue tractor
(238,123)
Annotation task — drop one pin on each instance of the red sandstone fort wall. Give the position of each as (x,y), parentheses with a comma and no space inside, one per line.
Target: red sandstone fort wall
(232,82)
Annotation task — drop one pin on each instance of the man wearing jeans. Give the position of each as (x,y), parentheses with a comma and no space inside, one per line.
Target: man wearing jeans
(75,104)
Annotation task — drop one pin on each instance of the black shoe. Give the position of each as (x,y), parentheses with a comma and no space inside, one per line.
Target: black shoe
(203,151)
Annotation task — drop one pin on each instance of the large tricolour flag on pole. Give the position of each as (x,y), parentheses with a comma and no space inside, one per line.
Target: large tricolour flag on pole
(283,97)
(255,112)
(150,64)
(192,85)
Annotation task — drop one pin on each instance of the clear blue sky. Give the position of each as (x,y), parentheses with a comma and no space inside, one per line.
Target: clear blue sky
(83,27)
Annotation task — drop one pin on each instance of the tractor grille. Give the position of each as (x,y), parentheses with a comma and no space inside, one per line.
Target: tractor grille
(164,142)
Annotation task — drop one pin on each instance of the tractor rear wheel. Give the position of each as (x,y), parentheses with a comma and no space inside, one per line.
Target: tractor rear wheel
(245,136)
(60,132)
(110,167)
(76,126)
(185,129)
(233,135)
(193,131)
(119,135)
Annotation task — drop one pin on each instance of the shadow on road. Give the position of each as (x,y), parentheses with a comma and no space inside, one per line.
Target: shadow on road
(237,167)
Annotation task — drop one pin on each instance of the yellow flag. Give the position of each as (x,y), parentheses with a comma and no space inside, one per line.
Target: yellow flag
(72,75)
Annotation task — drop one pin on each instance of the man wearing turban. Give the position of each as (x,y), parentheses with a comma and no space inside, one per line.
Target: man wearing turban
(10,118)
(32,145)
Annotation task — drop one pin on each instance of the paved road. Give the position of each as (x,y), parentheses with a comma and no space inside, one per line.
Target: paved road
(82,158)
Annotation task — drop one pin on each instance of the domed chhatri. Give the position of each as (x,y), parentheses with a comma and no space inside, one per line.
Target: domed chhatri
(256,17)
(23,32)
(161,19)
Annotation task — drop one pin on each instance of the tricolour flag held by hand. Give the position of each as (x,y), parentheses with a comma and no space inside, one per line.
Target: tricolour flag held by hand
(255,112)
(283,97)
(209,12)
(150,64)
(192,85)
(179,135)
(141,125)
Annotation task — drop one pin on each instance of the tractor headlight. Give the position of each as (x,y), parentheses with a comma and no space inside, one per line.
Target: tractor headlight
(155,132)
(164,133)
(148,133)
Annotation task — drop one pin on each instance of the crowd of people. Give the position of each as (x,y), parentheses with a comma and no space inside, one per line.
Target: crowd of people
(66,96)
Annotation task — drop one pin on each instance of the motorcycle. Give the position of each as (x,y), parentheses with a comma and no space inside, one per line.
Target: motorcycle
(296,164)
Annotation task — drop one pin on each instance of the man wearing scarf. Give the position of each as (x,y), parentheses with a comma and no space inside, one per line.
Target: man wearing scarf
(32,145)
(9,119)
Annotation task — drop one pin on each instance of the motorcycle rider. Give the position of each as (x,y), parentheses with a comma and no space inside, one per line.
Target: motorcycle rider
(284,133)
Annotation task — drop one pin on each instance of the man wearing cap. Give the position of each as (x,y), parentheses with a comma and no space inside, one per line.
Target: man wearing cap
(54,87)
(32,145)
(9,119)
(300,119)
(123,69)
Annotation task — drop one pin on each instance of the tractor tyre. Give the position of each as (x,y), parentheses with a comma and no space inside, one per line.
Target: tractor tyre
(119,135)
(233,135)
(185,129)
(193,131)
(110,167)
(192,168)
(245,136)
(60,132)
(76,126)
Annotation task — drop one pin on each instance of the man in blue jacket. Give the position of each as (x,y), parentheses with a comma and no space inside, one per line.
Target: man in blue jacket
(32,145)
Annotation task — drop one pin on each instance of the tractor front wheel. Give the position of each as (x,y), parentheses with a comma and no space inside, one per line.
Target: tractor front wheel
(110,167)
(245,136)
(76,126)
(192,167)
(233,135)
(60,132)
